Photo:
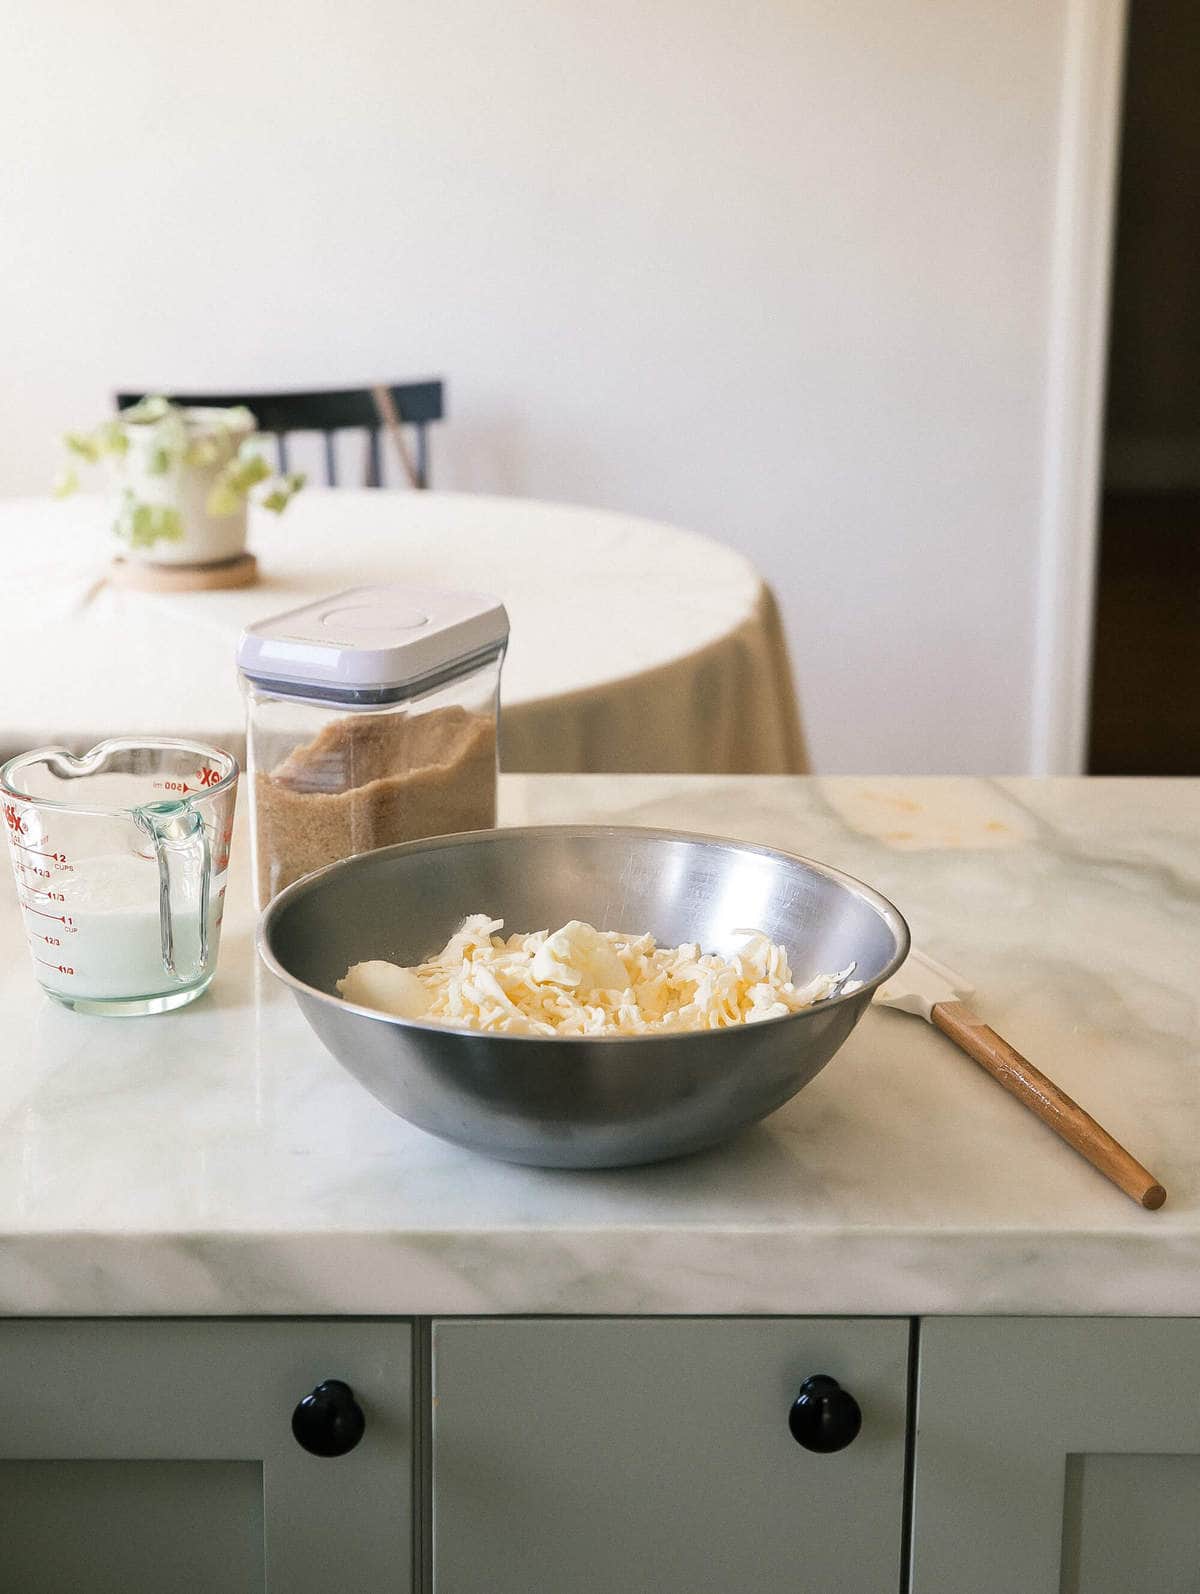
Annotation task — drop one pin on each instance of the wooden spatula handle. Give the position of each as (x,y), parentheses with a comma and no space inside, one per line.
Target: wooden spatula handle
(1043,1097)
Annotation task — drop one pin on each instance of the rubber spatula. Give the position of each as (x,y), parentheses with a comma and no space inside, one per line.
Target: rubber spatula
(938,995)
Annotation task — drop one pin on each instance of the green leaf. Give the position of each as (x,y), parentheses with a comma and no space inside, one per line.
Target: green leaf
(203,450)
(222,500)
(159,462)
(280,497)
(235,481)
(148,410)
(170,524)
(112,438)
(66,482)
(251,453)
(248,471)
(86,447)
(142,525)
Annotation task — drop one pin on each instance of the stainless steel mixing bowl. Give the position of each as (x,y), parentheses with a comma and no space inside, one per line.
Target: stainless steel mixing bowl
(579,1103)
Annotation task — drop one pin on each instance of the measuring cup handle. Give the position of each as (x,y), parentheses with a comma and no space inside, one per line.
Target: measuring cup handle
(184,858)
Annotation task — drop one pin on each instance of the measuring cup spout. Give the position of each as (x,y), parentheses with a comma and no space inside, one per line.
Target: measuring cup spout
(184,877)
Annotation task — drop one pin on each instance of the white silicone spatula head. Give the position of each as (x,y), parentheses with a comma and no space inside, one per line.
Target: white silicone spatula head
(919,982)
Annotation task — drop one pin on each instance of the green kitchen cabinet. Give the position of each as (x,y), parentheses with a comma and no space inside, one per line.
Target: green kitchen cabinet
(157,1457)
(586,1456)
(597,1455)
(1057,1456)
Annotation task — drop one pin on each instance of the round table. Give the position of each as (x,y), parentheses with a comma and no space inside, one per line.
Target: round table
(635,646)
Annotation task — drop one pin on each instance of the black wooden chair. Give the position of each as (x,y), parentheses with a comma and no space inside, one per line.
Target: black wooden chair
(366,409)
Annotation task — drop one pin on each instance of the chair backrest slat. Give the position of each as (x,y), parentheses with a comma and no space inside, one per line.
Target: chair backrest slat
(340,409)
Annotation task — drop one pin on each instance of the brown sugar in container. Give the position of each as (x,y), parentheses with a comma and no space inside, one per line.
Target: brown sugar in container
(371,719)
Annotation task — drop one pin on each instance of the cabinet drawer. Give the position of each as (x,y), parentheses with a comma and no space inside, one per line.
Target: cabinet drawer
(585,1456)
(138,1457)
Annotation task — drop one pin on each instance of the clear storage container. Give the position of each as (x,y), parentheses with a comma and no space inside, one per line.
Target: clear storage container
(371,719)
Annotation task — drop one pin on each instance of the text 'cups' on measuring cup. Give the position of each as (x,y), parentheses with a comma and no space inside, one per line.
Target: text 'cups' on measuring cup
(120,859)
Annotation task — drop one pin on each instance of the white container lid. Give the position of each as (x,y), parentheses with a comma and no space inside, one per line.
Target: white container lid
(373,644)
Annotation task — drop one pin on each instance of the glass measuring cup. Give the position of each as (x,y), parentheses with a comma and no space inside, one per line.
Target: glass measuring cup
(120,858)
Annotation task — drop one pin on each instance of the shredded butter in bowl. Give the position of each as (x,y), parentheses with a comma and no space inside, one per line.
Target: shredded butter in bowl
(582,981)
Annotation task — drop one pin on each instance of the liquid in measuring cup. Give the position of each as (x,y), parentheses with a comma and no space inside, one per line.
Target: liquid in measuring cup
(98,932)
(120,859)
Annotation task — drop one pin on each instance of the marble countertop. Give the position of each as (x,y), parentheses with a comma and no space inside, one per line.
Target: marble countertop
(217,1160)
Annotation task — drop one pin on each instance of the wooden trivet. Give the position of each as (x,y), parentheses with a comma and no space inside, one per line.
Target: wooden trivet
(141,576)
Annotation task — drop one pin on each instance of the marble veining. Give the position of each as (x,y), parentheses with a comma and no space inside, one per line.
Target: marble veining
(217,1160)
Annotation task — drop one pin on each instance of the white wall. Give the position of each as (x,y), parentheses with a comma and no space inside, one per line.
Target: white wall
(778,271)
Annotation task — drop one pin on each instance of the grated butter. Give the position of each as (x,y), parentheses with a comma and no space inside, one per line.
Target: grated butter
(582,981)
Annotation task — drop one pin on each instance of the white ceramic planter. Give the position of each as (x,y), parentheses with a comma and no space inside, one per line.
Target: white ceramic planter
(207,538)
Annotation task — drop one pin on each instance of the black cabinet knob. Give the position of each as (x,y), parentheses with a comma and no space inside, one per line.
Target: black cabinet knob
(329,1422)
(824,1416)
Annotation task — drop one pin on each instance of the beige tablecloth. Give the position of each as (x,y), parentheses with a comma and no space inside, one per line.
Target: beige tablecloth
(635,646)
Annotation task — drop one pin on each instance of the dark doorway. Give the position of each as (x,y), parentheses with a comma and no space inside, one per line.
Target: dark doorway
(1145,709)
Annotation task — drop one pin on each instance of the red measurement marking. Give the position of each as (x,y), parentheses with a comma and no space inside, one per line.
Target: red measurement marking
(36,852)
(32,868)
(59,968)
(43,915)
(208,777)
(171,785)
(14,821)
(50,940)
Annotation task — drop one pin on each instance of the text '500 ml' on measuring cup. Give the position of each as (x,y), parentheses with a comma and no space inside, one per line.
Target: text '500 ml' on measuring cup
(120,859)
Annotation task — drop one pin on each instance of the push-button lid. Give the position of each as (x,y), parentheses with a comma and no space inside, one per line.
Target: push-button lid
(373,644)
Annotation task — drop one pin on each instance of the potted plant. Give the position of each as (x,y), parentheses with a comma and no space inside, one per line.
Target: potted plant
(183,479)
